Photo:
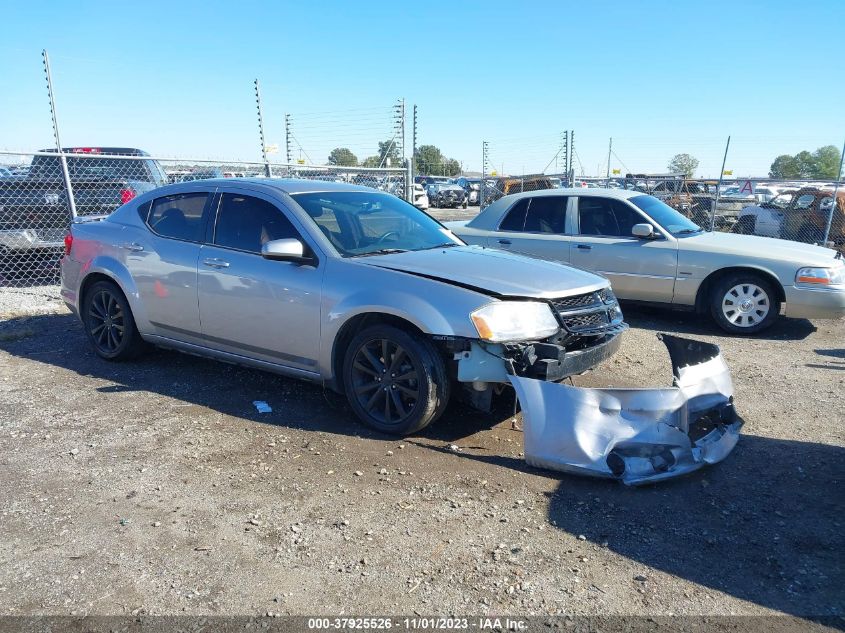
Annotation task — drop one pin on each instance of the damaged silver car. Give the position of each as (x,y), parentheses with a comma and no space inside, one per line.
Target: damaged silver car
(635,435)
(334,283)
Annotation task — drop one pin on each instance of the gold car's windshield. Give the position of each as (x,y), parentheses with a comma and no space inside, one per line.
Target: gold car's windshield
(666,216)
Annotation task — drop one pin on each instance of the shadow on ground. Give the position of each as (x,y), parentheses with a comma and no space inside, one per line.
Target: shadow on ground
(681,322)
(764,526)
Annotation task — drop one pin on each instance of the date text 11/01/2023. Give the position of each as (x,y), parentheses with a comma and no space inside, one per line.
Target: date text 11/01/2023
(418,623)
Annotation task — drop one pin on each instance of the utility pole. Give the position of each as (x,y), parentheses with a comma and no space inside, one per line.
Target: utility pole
(834,206)
(71,201)
(287,139)
(571,155)
(609,151)
(261,131)
(484,164)
(565,143)
(414,145)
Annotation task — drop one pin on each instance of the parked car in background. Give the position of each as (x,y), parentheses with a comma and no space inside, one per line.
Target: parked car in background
(202,174)
(446,196)
(472,186)
(4,172)
(801,215)
(345,286)
(34,209)
(420,197)
(652,253)
(506,186)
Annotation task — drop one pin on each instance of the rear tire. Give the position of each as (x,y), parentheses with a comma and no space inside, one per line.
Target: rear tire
(109,323)
(395,382)
(744,303)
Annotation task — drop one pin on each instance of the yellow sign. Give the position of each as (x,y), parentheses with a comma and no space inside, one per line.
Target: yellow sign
(300,161)
(494,173)
(271,149)
(617,171)
(728,172)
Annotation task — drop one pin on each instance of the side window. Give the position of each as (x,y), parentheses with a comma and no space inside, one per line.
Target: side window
(246,223)
(515,219)
(144,210)
(805,201)
(605,217)
(546,214)
(178,216)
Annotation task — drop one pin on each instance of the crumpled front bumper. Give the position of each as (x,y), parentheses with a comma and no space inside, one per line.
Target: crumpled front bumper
(635,435)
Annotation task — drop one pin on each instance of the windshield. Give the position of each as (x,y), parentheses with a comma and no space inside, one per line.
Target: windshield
(665,215)
(782,201)
(368,223)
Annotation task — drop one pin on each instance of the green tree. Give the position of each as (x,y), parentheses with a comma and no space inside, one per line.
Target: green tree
(429,160)
(785,166)
(343,157)
(683,164)
(371,161)
(822,164)
(452,167)
(389,149)
(826,162)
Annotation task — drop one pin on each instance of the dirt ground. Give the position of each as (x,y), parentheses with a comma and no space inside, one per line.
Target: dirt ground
(155,487)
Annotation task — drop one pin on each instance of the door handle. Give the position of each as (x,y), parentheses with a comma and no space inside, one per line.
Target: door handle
(505,242)
(585,247)
(132,246)
(213,262)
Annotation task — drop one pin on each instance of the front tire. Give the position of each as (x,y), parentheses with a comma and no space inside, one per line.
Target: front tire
(109,323)
(744,303)
(395,382)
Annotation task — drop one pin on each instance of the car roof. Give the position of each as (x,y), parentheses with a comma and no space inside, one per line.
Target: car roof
(620,194)
(290,186)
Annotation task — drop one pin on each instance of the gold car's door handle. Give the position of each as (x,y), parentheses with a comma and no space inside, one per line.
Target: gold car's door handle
(213,262)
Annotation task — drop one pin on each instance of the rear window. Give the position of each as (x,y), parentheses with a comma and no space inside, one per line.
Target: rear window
(99,167)
(515,219)
(178,216)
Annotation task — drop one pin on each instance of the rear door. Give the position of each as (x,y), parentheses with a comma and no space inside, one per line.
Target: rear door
(163,262)
(256,307)
(638,269)
(535,226)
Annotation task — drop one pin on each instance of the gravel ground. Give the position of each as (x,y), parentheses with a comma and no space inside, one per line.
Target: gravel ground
(155,487)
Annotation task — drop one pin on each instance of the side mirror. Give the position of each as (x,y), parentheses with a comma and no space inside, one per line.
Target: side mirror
(643,230)
(285,250)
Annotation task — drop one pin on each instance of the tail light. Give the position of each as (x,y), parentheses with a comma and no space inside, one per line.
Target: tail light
(68,243)
(126,195)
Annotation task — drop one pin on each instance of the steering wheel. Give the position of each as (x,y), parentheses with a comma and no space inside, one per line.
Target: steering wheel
(386,235)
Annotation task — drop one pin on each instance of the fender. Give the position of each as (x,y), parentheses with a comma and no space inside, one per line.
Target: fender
(117,272)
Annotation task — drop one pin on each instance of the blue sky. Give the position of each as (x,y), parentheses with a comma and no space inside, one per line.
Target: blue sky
(175,78)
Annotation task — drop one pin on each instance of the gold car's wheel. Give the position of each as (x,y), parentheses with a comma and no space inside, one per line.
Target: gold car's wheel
(744,304)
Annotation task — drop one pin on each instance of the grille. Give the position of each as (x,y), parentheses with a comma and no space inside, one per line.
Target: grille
(587,321)
(578,301)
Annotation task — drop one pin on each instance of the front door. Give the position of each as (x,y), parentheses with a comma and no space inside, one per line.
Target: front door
(256,307)
(638,269)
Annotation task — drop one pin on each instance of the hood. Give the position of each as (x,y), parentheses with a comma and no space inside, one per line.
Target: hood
(768,247)
(491,271)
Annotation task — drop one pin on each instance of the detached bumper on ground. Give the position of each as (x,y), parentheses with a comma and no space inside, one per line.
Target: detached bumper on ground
(635,435)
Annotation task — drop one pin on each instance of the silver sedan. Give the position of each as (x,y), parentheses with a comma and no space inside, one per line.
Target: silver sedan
(653,254)
(334,283)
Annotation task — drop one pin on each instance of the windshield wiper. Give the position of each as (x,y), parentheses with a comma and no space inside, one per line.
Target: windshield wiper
(444,245)
(382,251)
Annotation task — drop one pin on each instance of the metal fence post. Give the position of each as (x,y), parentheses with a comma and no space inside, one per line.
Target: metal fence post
(409,181)
(71,201)
(719,187)
(835,192)
(267,171)
(483,175)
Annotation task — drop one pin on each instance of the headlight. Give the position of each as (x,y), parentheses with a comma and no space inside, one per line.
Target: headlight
(514,321)
(821,276)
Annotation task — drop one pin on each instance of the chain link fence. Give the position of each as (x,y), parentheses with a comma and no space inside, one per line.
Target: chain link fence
(41,193)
